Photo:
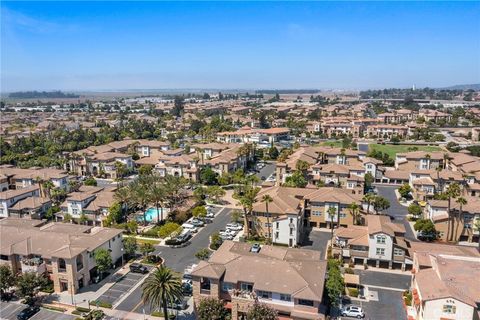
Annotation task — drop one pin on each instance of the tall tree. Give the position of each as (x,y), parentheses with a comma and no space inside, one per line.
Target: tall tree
(267,199)
(161,287)
(332,212)
(261,311)
(369,198)
(211,309)
(7,279)
(452,192)
(246,197)
(354,211)
(461,201)
(157,196)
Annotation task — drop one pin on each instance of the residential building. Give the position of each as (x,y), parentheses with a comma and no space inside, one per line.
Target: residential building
(9,198)
(380,243)
(63,252)
(289,280)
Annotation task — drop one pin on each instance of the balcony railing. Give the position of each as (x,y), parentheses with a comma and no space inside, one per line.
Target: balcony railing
(36,265)
(242,294)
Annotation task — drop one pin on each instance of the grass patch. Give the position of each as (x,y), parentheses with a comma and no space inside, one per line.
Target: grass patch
(102,304)
(333,143)
(141,241)
(393,149)
(54,308)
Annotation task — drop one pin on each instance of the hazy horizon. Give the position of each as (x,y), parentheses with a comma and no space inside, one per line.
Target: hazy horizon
(121,46)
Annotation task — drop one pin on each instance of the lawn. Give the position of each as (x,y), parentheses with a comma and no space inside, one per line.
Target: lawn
(393,149)
(141,241)
(332,143)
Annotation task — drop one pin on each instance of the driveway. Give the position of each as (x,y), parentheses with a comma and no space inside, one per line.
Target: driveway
(266,171)
(9,311)
(386,305)
(384,279)
(179,258)
(316,240)
(396,210)
(122,286)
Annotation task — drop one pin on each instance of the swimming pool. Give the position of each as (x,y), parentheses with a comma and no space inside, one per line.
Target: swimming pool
(151,214)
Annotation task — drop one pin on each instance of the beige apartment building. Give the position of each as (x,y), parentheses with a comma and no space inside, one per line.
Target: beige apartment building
(289,280)
(63,252)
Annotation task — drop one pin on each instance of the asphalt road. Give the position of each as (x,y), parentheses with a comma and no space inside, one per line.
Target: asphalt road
(179,258)
(396,210)
(384,279)
(9,311)
(266,171)
(388,306)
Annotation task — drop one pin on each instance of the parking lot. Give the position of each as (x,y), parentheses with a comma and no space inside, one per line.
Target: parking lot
(384,292)
(9,311)
(121,287)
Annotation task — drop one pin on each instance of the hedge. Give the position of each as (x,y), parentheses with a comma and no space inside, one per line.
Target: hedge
(102,304)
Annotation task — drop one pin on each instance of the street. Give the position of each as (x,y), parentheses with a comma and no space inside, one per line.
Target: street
(396,210)
(266,171)
(317,240)
(178,258)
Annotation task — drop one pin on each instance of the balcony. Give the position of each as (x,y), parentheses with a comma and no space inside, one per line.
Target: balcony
(36,265)
(242,294)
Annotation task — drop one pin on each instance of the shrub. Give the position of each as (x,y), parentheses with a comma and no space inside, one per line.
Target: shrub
(168,229)
(353,292)
(203,254)
(407,297)
(349,271)
(102,304)
(54,308)
(82,309)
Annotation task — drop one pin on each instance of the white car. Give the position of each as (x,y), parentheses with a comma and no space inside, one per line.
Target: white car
(234,226)
(227,233)
(353,311)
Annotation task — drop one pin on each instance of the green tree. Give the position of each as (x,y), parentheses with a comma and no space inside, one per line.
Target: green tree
(273,153)
(236,216)
(161,287)
(215,241)
(332,214)
(199,212)
(261,311)
(203,254)
(215,193)
(247,196)
(380,203)
(146,248)
(404,190)
(90,181)
(28,286)
(7,279)
(369,179)
(114,214)
(208,176)
(335,283)
(83,218)
(145,169)
(158,196)
(461,201)
(415,210)
(103,260)
(211,309)
(296,180)
(425,225)
(130,246)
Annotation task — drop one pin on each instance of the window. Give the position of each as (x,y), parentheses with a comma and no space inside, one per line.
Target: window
(291,231)
(75,211)
(246,287)
(227,286)
(450,309)
(285,297)
(268,224)
(264,294)
(3,257)
(304,302)
(343,215)
(381,239)
(277,235)
(316,213)
(397,252)
(62,266)
(380,251)
(278,225)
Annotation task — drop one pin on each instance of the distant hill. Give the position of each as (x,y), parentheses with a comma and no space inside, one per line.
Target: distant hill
(464,87)
(41,95)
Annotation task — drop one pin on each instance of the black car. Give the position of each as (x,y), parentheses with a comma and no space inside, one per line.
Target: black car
(138,268)
(27,313)
(426,236)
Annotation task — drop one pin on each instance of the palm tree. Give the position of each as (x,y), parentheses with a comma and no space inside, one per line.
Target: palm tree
(246,198)
(453,191)
(368,198)
(123,196)
(461,201)
(157,196)
(267,199)
(332,211)
(161,287)
(354,210)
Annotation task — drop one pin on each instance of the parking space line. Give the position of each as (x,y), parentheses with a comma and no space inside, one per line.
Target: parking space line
(384,288)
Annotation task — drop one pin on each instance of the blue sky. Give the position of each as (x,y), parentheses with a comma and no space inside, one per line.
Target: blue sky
(147,45)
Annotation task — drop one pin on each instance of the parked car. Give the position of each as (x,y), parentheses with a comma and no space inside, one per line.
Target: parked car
(228,232)
(197,222)
(179,304)
(27,313)
(187,289)
(234,226)
(353,311)
(189,227)
(226,237)
(138,268)
(184,236)
(423,236)
(255,248)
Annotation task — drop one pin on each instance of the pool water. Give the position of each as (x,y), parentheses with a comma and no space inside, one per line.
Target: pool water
(151,214)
